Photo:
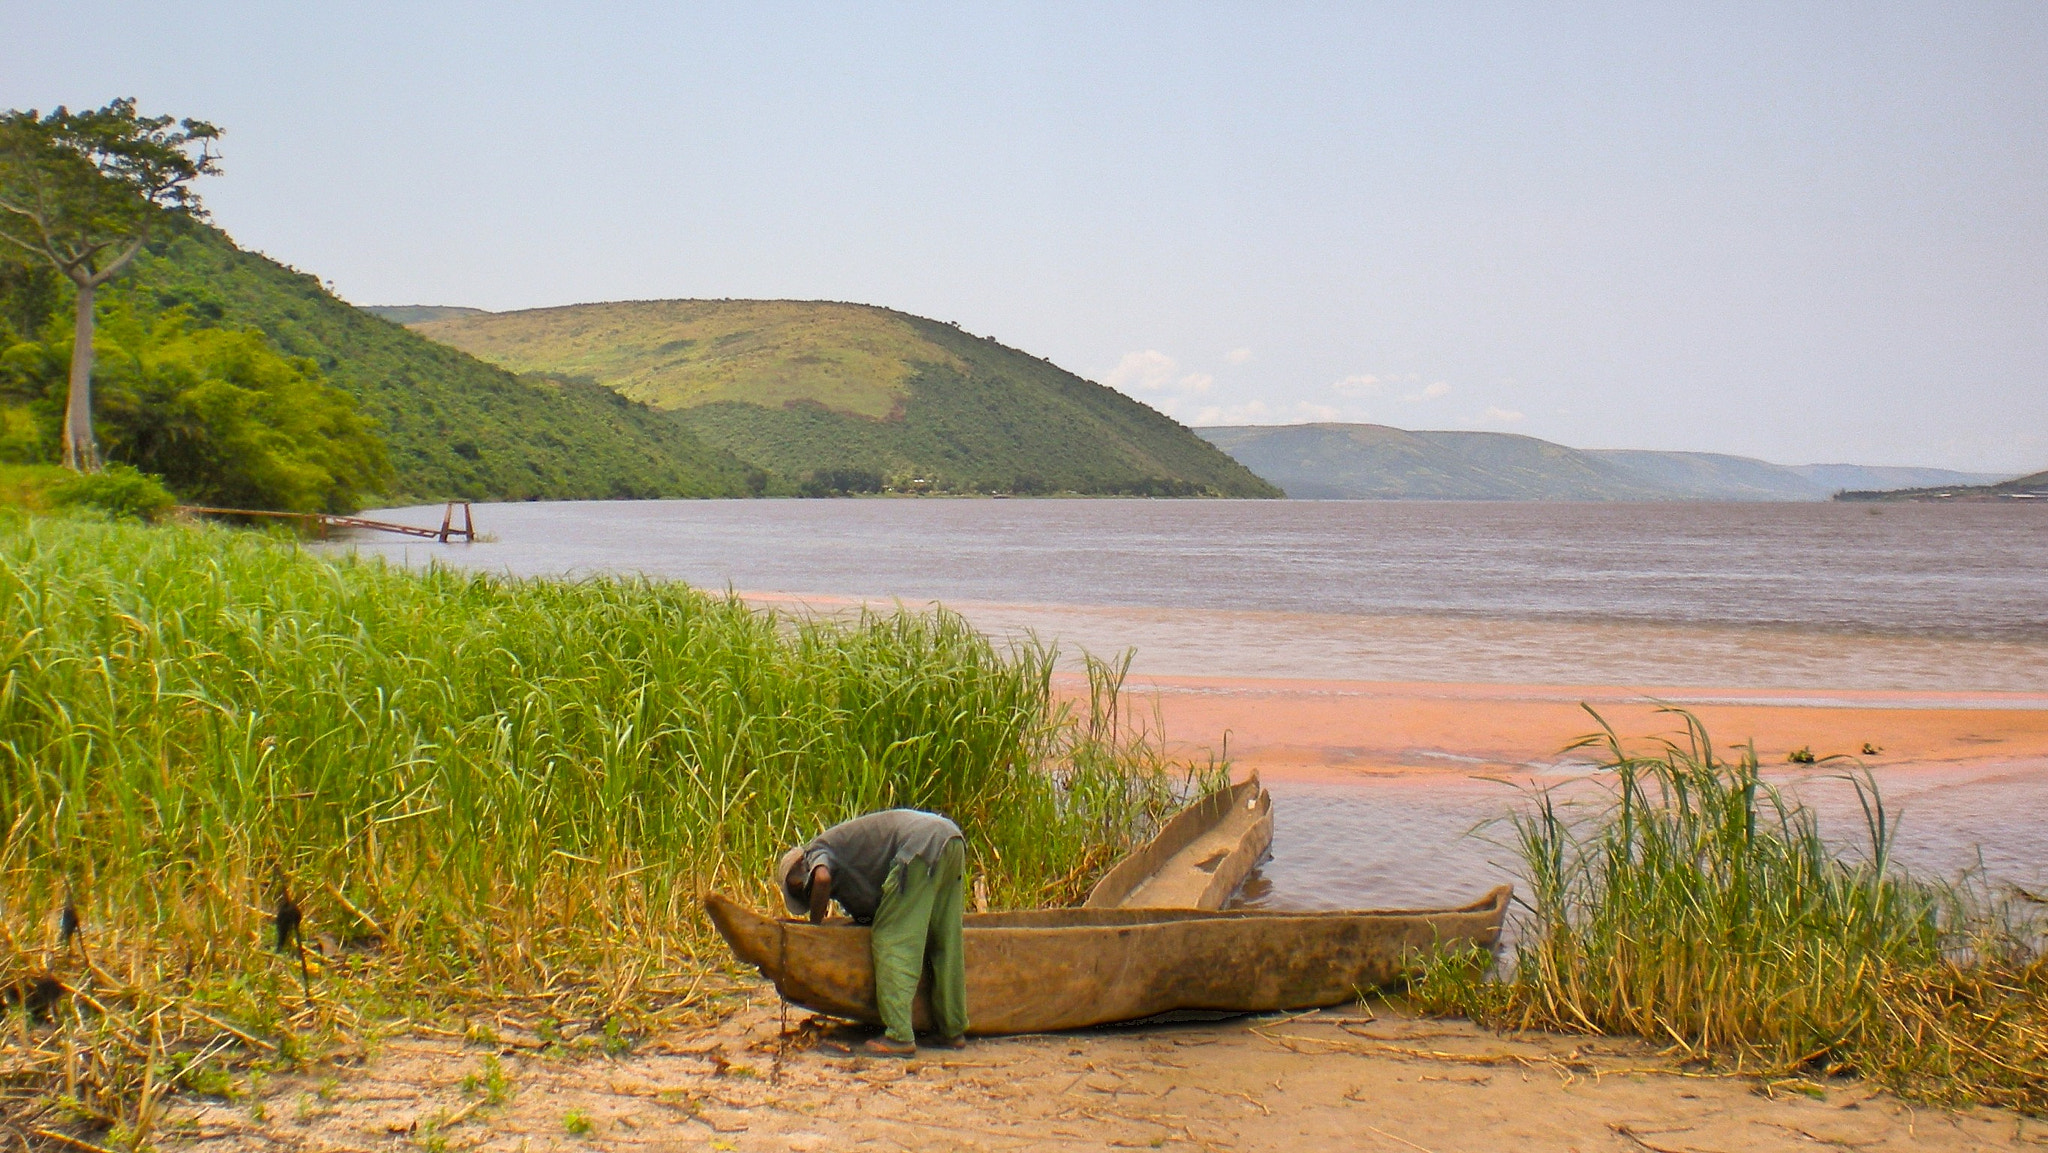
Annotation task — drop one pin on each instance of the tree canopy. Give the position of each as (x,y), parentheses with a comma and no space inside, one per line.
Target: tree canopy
(81,191)
(217,413)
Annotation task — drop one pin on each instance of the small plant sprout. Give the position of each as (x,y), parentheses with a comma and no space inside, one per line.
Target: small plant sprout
(490,1082)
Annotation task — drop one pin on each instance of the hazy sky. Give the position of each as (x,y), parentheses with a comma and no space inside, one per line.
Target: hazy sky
(1802,232)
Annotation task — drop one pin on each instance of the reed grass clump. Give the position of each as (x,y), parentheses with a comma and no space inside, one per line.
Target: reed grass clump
(467,791)
(1697,906)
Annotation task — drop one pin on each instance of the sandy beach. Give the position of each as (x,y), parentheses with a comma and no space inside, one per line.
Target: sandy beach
(1338,730)
(1352,1078)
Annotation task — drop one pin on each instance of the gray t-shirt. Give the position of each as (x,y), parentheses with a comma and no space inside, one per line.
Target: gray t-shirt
(860,853)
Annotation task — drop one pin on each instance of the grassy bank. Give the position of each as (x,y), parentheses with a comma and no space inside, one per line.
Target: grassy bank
(472,790)
(1701,908)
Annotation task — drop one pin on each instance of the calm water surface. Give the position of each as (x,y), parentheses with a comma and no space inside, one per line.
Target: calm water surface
(1754,595)
(1904,597)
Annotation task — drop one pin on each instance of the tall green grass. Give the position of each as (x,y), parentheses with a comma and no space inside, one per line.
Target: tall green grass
(478,787)
(1699,907)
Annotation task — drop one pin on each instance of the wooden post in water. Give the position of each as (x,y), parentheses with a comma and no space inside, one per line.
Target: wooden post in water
(468,530)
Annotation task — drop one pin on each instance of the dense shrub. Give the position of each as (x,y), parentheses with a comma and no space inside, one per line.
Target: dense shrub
(117,490)
(840,482)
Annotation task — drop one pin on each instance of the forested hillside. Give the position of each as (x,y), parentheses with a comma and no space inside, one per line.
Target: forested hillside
(455,426)
(849,397)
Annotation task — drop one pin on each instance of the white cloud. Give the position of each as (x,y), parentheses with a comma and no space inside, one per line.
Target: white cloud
(1238,355)
(1432,392)
(1154,371)
(1259,412)
(1361,385)
(1251,412)
(1495,414)
(1148,371)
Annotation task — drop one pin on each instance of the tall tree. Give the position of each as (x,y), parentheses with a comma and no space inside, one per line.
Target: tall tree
(83,190)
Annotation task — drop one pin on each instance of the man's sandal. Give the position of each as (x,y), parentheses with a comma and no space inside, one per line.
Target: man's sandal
(888,1047)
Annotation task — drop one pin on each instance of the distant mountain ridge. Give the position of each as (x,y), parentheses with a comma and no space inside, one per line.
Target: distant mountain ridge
(2033,486)
(855,397)
(1378,462)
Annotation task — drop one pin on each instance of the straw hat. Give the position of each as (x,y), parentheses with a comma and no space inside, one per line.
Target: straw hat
(788,864)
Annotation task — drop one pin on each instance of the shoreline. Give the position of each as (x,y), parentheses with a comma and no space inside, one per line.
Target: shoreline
(1336,730)
(1370,1076)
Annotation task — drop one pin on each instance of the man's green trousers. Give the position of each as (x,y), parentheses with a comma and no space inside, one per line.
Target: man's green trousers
(918,919)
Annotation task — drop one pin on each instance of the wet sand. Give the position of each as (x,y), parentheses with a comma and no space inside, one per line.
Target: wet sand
(1334,730)
(1353,1078)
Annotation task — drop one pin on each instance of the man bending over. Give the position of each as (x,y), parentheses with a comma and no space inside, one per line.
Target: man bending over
(900,871)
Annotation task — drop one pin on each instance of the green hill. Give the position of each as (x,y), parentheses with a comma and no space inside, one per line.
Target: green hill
(455,426)
(1375,462)
(861,396)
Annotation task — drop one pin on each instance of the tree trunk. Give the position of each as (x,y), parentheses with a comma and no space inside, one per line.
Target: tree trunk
(81,451)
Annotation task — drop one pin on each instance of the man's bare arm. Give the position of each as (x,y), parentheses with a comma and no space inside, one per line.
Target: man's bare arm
(821,893)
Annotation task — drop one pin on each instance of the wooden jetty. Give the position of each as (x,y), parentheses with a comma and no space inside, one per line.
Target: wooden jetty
(327,521)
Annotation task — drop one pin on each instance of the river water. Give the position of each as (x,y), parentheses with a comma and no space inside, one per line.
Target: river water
(1908,598)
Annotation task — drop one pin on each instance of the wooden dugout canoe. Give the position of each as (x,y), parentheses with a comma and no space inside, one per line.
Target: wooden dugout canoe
(1200,857)
(1045,969)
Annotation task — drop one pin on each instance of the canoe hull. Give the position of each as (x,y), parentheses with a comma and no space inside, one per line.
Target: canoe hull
(1053,969)
(1199,857)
